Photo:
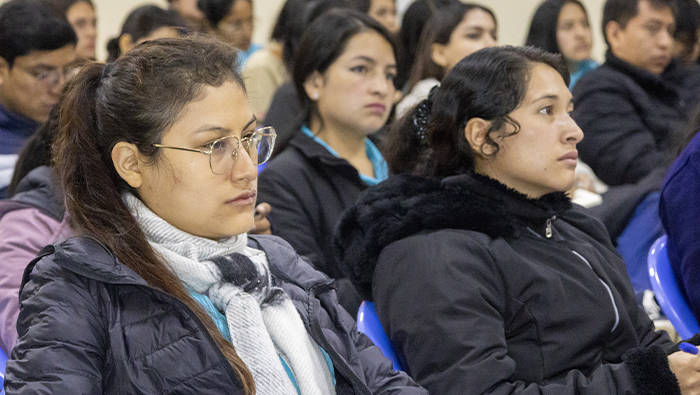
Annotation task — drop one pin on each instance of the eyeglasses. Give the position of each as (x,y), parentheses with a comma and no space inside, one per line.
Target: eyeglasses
(52,78)
(223,152)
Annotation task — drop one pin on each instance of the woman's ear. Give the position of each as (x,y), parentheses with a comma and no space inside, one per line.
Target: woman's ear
(475,132)
(126,42)
(313,85)
(438,54)
(125,157)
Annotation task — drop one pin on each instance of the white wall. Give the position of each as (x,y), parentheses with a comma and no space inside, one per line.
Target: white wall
(513,19)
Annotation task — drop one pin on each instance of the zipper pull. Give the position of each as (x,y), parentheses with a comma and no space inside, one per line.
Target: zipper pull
(548,230)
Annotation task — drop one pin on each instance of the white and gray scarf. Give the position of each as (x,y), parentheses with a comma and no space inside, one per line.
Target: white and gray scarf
(262,320)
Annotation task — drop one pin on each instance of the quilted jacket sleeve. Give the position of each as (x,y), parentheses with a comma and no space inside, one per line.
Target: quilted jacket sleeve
(62,335)
(442,305)
(617,145)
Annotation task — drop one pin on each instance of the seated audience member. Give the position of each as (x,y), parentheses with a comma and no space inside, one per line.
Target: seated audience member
(163,292)
(562,27)
(686,46)
(414,19)
(231,21)
(81,16)
(265,71)
(484,275)
(285,112)
(343,72)
(382,11)
(630,106)
(144,23)
(452,33)
(31,219)
(189,12)
(36,44)
(679,209)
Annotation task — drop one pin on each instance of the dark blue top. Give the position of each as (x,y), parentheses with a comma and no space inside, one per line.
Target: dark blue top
(680,214)
(15,129)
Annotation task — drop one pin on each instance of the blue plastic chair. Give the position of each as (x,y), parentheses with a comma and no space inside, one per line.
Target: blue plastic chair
(368,323)
(667,292)
(3,362)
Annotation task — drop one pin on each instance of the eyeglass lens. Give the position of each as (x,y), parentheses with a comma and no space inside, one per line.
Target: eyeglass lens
(225,151)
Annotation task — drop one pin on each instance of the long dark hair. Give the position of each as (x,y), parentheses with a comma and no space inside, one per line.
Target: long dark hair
(488,84)
(324,41)
(543,27)
(135,99)
(141,22)
(438,30)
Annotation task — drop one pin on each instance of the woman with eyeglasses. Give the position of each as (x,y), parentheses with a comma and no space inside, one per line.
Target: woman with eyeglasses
(344,70)
(163,291)
(233,22)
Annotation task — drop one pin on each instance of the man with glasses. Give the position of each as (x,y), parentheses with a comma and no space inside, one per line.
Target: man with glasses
(35,46)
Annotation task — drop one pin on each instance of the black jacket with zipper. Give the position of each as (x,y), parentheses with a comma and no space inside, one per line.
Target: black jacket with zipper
(88,325)
(485,291)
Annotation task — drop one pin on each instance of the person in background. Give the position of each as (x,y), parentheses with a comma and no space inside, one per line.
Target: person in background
(452,33)
(231,21)
(414,19)
(686,46)
(679,208)
(285,111)
(162,291)
(484,275)
(344,71)
(382,11)
(265,71)
(189,12)
(81,16)
(36,45)
(562,27)
(148,22)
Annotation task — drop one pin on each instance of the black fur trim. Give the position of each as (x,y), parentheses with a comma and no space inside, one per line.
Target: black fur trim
(650,373)
(406,205)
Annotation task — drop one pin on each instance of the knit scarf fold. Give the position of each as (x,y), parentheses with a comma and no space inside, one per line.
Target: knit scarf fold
(263,323)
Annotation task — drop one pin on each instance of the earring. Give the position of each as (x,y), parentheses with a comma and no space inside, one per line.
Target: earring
(315,96)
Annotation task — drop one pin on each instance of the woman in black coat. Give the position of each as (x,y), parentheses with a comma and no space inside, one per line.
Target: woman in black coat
(484,275)
(162,291)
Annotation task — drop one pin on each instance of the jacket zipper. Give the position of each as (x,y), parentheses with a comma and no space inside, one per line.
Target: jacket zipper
(548,229)
(610,294)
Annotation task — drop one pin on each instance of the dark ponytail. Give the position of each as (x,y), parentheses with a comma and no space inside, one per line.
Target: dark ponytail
(135,100)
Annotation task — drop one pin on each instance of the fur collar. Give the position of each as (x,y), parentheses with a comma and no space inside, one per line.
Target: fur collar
(405,205)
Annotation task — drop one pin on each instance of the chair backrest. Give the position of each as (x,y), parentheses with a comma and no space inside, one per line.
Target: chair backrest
(368,323)
(3,362)
(667,292)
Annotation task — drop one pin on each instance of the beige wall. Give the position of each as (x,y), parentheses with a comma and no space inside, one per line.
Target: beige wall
(513,17)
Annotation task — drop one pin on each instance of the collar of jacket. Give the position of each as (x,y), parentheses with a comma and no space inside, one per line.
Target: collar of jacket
(39,189)
(405,205)
(663,83)
(318,154)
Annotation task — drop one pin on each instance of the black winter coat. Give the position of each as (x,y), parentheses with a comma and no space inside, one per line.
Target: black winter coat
(308,189)
(485,291)
(630,117)
(90,325)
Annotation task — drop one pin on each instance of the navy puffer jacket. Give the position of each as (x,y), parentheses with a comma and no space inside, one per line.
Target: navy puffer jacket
(88,324)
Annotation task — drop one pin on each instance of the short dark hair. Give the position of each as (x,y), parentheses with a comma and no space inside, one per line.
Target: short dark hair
(216,10)
(621,11)
(141,22)
(543,27)
(438,30)
(32,25)
(488,84)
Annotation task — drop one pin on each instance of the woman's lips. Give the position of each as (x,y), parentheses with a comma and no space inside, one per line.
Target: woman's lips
(570,158)
(377,107)
(244,199)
